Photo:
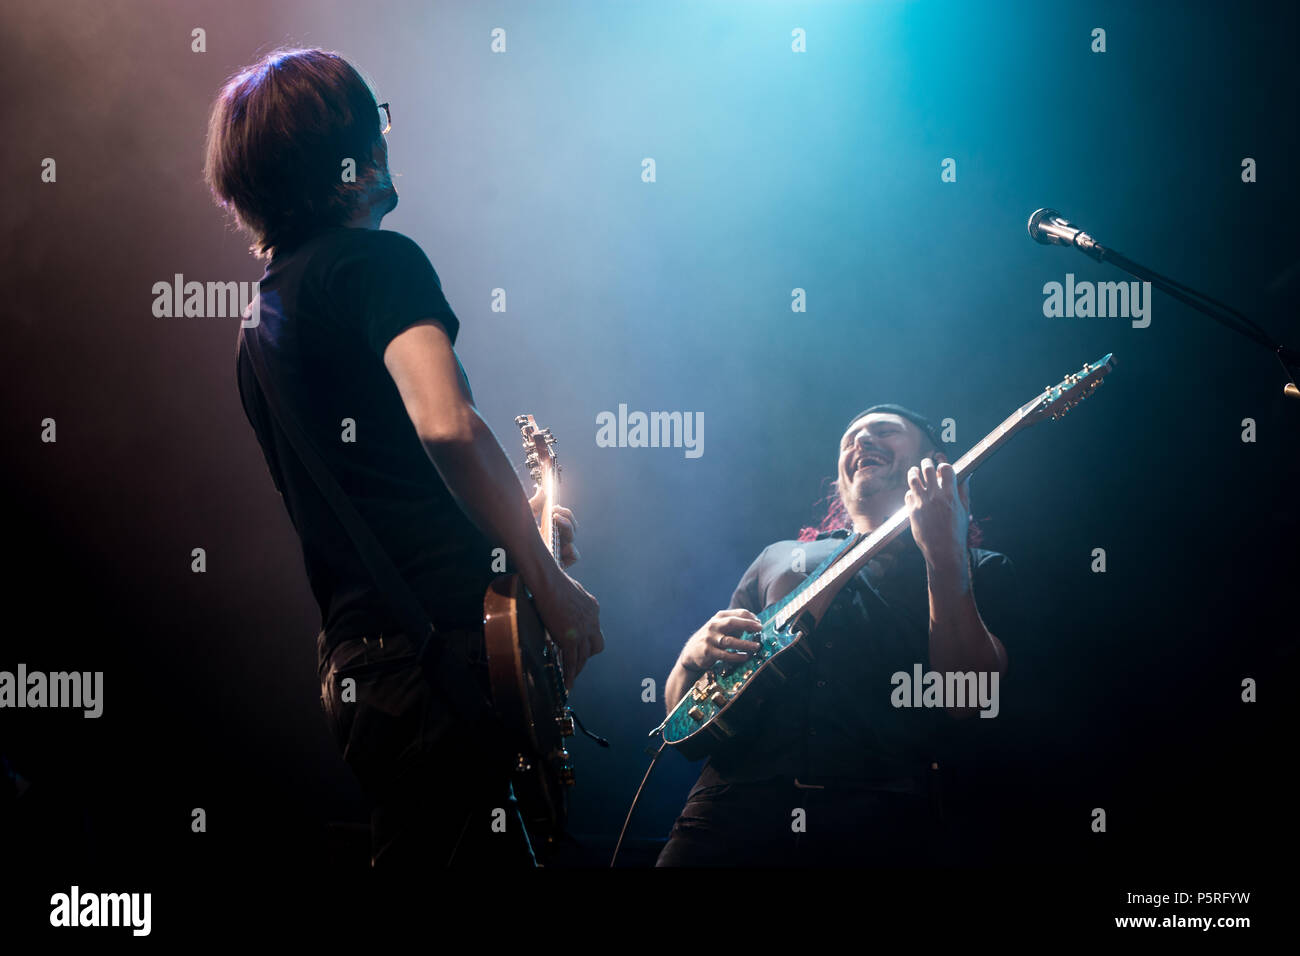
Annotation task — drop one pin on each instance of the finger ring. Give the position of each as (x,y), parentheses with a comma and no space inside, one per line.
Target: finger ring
(719,641)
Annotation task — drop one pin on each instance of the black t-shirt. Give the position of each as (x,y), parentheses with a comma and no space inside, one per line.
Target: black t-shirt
(329,308)
(834,718)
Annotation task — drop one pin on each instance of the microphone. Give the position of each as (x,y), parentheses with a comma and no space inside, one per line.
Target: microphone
(1049,227)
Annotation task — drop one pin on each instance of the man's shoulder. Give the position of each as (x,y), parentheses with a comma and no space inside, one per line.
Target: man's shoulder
(338,242)
(378,237)
(346,261)
(812,551)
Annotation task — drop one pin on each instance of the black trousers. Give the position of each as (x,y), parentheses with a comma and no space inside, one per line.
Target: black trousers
(777,823)
(438,784)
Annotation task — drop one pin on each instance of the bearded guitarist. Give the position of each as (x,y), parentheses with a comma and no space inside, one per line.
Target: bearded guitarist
(353,328)
(831,772)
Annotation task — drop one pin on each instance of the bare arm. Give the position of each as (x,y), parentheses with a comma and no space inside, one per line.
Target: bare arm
(940,516)
(467,455)
(959,641)
(679,678)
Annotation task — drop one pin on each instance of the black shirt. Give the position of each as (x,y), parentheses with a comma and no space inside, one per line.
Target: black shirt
(329,308)
(834,718)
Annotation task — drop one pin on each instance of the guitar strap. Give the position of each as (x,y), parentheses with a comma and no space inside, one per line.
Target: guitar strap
(459,686)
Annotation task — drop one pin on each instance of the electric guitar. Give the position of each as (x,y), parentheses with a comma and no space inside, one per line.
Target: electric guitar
(723,701)
(525,671)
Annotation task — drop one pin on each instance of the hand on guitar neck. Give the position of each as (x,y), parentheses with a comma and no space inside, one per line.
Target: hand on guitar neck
(565,524)
(570,614)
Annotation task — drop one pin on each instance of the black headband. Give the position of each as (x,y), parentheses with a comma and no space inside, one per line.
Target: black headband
(916,418)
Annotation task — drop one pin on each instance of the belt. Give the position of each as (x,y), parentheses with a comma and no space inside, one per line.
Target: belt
(466,643)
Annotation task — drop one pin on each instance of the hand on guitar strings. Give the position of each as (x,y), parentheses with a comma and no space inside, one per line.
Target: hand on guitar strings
(721,639)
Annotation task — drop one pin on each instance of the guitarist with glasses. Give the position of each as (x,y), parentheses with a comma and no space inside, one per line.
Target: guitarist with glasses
(832,772)
(356,341)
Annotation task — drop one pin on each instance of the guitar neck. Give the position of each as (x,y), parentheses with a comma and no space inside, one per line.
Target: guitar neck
(816,593)
(550,531)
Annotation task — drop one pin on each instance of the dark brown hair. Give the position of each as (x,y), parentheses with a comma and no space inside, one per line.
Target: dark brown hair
(277,138)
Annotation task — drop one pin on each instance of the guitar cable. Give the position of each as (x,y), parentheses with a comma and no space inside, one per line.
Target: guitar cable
(663,745)
(581,726)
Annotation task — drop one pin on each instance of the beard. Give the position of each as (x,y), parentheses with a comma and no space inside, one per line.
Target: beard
(861,487)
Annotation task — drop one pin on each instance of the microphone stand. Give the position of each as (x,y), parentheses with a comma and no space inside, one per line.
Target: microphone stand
(1224,314)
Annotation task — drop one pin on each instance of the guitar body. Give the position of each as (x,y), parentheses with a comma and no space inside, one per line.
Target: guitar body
(528,692)
(714,710)
(723,701)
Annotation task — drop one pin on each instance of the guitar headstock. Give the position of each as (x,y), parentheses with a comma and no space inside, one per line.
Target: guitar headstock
(544,468)
(1056,400)
(538,442)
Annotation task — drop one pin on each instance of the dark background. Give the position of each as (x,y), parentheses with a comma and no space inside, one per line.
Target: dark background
(775,171)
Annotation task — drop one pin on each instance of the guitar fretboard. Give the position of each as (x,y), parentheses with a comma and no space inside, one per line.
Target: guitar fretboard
(552,486)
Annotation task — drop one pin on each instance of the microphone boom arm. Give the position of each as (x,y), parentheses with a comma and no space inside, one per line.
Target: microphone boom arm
(1049,227)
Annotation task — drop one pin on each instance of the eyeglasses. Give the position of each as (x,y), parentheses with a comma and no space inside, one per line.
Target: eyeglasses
(385,118)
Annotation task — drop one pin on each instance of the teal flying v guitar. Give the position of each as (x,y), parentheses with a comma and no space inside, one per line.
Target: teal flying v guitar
(725,698)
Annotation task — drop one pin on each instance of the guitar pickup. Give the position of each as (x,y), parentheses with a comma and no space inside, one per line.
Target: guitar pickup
(703,687)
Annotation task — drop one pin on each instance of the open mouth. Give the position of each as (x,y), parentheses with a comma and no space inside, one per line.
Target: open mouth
(871,460)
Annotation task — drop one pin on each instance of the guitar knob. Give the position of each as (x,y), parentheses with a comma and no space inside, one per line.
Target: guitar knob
(695,713)
(565,724)
(566,769)
(719,699)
